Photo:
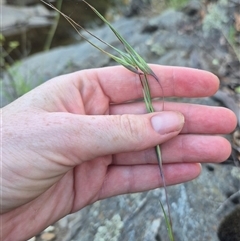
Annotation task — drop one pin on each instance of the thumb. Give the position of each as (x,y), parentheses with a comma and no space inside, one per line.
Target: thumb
(111,134)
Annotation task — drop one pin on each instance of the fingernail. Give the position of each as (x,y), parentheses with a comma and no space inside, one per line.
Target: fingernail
(167,122)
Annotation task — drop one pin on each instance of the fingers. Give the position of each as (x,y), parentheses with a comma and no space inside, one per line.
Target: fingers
(199,119)
(181,149)
(139,178)
(121,85)
(93,136)
(191,148)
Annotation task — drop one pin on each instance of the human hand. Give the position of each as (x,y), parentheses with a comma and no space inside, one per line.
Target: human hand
(75,140)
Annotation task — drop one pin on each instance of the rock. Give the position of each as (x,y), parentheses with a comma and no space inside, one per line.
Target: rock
(229,230)
(111,230)
(49,229)
(169,20)
(32,239)
(48,236)
(22,2)
(16,20)
(136,7)
(160,40)
(193,8)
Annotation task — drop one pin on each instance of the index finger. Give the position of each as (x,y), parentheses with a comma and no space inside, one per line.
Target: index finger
(121,85)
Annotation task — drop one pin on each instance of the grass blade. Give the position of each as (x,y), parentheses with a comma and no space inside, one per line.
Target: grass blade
(138,61)
(168,224)
(150,109)
(136,64)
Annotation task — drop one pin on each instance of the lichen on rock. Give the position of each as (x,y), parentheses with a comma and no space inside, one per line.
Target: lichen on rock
(110,231)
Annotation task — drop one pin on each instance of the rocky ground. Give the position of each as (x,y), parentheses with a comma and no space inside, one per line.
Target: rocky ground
(202,35)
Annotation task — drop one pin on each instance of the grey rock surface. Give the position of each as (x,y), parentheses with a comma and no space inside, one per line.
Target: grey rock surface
(15,20)
(158,40)
(21,2)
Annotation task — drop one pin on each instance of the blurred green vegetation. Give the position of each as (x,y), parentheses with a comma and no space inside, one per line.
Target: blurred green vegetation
(176,4)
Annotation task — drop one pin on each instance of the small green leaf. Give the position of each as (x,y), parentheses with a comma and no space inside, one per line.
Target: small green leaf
(2,38)
(167,221)
(237,89)
(13,44)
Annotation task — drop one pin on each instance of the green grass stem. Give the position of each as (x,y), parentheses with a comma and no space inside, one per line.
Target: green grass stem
(131,60)
(53,29)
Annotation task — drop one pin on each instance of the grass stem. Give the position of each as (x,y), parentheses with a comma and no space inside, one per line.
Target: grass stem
(131,60)
(53,29)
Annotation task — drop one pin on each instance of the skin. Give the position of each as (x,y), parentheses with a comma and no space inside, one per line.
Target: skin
(74,140)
